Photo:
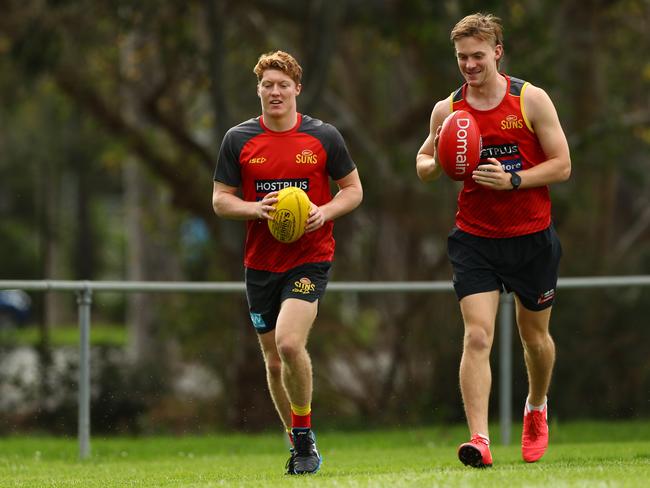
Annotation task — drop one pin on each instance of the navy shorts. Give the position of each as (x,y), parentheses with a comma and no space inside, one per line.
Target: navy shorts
(265,290)
(526,265)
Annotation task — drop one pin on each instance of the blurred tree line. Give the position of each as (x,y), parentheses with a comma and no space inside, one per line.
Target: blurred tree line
(111,115)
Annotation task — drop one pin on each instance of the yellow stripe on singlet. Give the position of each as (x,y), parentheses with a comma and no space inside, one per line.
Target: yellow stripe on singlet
(523,110)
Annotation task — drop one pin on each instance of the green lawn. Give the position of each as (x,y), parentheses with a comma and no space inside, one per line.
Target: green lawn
(66,335)
(581,454)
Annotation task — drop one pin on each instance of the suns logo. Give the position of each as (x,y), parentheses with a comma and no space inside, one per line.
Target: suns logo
(304,286)
(307,156)
(512,122)
(259,160)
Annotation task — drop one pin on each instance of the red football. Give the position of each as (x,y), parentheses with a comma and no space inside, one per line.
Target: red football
(459,145)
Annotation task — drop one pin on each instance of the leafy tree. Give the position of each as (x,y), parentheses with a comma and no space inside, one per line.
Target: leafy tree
(158,84)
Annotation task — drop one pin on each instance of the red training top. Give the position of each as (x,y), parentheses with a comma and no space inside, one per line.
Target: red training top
(260,161)
(507,136)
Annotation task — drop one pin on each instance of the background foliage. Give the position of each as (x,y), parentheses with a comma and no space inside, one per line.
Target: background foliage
(111,115)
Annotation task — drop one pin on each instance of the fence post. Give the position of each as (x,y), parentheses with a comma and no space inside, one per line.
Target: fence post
(84,300)
(505,366)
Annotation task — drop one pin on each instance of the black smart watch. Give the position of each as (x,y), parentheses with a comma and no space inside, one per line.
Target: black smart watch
(515,180)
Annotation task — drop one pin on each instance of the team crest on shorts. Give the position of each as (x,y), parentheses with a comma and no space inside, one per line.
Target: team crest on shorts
(258,321)
(303,286)
(546,296)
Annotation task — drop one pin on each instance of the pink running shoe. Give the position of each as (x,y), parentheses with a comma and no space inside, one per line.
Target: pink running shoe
(476,453)
(534,437)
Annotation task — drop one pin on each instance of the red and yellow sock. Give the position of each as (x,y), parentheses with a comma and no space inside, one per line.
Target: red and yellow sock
(301,416)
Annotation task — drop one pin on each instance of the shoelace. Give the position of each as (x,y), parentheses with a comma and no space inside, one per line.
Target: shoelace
(477,439)
(303,445)
(537,423)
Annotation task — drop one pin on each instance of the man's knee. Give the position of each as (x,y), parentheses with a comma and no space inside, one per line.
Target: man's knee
(477,339)
(537,342)
(289,348)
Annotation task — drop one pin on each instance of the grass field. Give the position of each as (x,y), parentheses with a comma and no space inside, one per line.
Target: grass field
(581,454)
(66,335)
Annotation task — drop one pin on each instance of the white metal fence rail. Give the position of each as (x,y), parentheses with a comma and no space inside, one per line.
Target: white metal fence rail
(84,291)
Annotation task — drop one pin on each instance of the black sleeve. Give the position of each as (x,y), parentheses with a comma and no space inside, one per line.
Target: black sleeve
(339,162)
(228,170)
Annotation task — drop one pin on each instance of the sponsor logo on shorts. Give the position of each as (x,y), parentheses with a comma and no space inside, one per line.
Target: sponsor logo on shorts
(546,296)
(306,156)
(267,186)
(303,286)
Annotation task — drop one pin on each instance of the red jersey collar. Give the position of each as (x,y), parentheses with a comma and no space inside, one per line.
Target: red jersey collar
(284,132)
(465,86)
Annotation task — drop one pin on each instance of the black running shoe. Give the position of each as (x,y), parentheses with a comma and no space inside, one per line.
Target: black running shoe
(305,458)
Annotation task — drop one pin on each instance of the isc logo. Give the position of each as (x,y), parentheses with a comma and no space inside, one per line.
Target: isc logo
(306,157)
(256,160)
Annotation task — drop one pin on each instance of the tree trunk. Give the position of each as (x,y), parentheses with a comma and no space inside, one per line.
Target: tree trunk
(139,197)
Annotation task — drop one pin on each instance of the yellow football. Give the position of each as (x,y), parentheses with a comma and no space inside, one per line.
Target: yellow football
(290,216)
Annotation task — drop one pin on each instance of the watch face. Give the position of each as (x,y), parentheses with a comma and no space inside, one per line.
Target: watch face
(515,179)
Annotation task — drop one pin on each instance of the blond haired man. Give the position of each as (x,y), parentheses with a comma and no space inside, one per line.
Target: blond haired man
(503,238)
(284,282)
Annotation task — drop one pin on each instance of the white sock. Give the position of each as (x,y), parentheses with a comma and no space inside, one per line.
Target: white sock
(539,408)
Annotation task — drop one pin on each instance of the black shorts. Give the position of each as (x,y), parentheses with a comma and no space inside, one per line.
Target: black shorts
(526,265)
(266,290)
